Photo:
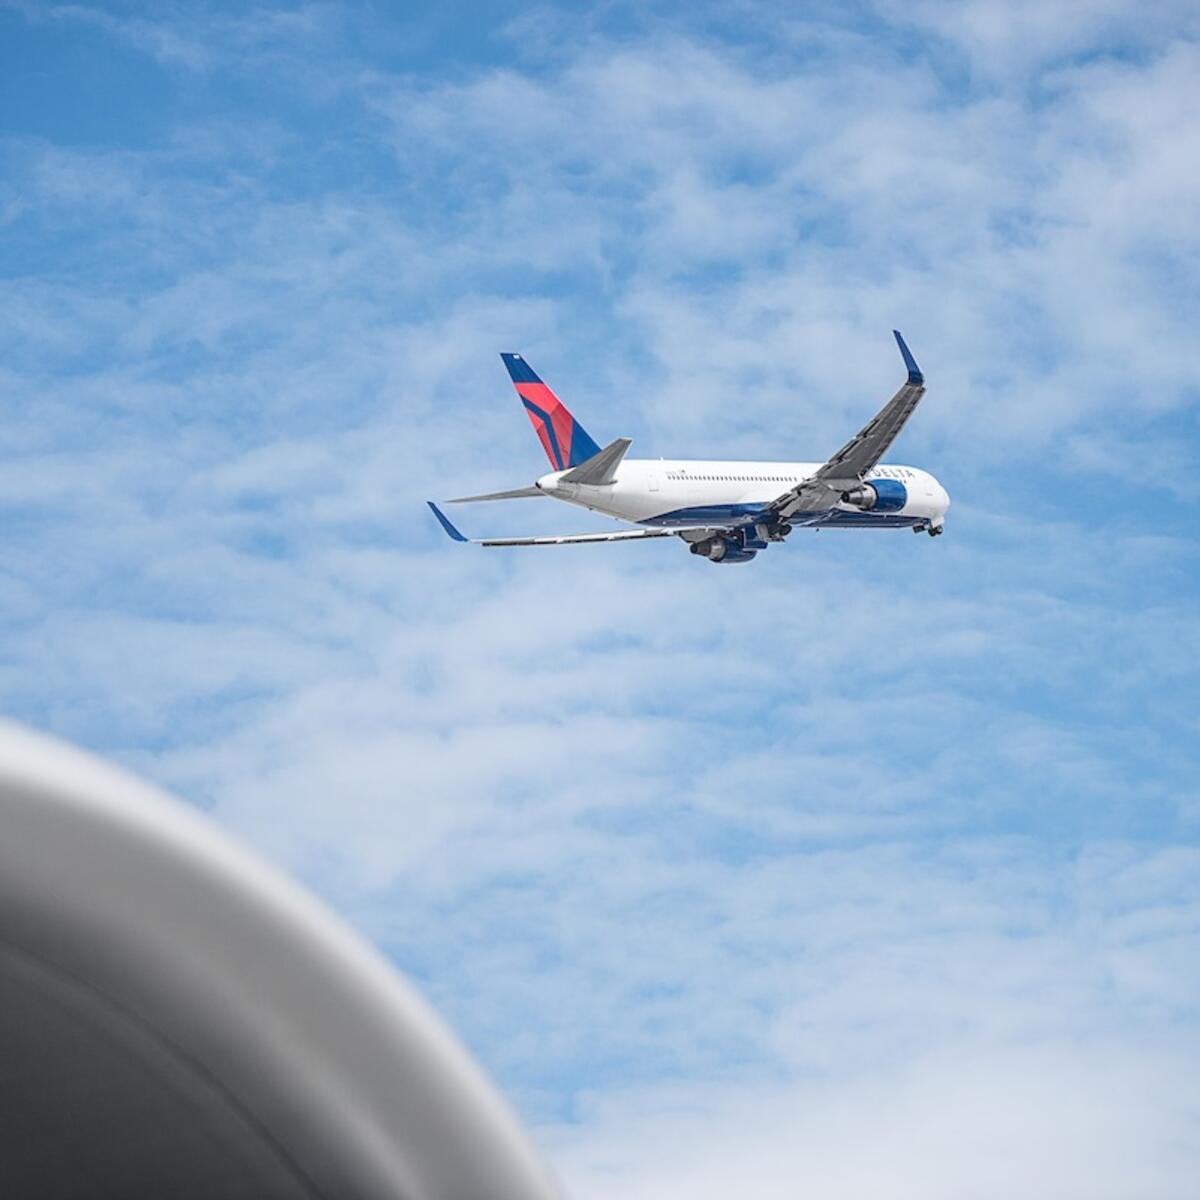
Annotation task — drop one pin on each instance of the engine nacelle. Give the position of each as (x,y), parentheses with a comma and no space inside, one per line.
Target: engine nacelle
(722,550)
(880,495)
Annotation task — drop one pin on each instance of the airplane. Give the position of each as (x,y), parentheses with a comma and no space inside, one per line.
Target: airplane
(727,512)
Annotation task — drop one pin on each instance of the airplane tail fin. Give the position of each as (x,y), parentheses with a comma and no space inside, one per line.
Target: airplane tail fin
(566,442)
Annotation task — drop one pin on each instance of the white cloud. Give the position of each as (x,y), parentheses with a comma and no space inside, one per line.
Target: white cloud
(198,37)
(857,870)
(1104,1120)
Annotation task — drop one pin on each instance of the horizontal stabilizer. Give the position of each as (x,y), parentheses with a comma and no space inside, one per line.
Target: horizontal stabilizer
(512,494)
(601,468)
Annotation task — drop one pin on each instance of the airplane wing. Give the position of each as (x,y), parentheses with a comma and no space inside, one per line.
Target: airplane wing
(572,539)
(624,535)
(848,466)
(870,444)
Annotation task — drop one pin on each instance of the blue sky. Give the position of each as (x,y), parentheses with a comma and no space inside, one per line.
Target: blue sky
(870,869)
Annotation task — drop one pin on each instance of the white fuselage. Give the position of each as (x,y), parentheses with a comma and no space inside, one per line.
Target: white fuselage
(681,494)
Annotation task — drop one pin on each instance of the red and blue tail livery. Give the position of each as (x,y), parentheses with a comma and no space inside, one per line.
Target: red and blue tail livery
(726,512)
(566,442)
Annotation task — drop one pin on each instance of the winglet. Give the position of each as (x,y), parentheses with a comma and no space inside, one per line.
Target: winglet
(914,372)
(445,524)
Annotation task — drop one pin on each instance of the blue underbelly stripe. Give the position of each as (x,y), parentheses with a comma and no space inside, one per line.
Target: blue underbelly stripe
(727,515)
(869,520)
(717,514)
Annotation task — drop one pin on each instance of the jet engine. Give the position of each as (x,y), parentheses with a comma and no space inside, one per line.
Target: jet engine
(722,550)
(880,495)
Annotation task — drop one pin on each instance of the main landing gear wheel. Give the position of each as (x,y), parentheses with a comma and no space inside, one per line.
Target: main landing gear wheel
(935,531)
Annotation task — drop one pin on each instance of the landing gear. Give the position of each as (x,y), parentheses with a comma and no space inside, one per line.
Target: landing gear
(935,531)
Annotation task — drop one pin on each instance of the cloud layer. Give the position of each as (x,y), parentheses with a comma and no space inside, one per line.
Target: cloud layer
(868,869)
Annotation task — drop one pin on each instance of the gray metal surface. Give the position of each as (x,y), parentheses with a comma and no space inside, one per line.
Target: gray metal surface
(177,1019)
